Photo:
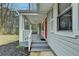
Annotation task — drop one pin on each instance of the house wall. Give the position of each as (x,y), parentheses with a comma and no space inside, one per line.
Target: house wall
(63,43)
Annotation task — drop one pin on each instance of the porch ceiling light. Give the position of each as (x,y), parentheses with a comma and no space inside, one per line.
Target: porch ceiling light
(31,14)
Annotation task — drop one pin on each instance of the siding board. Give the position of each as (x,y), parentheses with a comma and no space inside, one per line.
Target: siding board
(68,47)
(56,48)
(65,47)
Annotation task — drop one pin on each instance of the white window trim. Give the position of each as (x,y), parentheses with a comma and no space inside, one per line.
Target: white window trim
(51,18)
(71,33)
(67,33)
(50,14)
(51,30)
(41,27)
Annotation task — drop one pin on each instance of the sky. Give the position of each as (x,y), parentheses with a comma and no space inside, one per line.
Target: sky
(23,6)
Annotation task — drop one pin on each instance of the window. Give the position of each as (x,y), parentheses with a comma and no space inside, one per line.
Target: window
(50,18)
(34,28)
(48,15)
(42,26)
(52,13)
(64,16)
(52,25)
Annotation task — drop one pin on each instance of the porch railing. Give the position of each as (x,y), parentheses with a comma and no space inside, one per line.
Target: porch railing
(29,40)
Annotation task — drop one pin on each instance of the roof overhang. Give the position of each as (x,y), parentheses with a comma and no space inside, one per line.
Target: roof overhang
(37,16)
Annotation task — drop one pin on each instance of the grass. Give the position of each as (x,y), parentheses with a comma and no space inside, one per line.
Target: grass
(5,39)
(19,47)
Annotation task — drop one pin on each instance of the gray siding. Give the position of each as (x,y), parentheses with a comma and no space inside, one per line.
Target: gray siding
(62,45)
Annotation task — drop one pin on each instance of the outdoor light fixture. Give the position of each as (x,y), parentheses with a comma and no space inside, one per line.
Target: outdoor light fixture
(30,14)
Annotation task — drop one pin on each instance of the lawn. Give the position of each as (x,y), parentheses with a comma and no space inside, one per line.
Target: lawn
(5,39)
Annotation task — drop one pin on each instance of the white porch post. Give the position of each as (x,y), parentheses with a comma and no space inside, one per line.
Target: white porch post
(29,44)
(30,27)
(21,28)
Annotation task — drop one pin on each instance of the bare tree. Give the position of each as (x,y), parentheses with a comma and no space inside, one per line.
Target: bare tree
(7,18)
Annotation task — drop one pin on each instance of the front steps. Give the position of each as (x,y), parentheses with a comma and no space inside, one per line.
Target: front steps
(40,46)
(37,45)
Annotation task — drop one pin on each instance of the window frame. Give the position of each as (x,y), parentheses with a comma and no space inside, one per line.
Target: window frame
(50,16)
(51,29)
(42,26)
(61,14)
(51,11)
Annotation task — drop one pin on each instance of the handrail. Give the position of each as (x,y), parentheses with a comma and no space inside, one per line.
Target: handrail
(28,38)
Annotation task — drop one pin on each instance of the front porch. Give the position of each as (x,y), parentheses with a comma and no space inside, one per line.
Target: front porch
(27,37)
(38,47)
(33,41)
(36,44)
(58,29)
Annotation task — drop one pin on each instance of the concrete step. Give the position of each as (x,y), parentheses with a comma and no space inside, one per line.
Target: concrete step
(39,42)
(40,50)
(40,46)
(33,45)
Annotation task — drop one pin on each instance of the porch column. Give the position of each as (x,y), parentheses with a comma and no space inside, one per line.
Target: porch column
(21,28)
(30,27)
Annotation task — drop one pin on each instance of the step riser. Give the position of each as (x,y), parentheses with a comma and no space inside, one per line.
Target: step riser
(40,50)
(39,42)
(40,46)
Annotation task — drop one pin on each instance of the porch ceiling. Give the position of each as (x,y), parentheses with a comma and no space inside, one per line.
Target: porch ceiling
(35,19)
(43,9)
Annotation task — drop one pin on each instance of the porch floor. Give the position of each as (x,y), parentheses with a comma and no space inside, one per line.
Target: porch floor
(35,38)
(39,47)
